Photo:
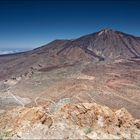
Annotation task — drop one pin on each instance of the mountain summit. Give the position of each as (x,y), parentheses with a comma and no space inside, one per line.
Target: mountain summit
(108,44)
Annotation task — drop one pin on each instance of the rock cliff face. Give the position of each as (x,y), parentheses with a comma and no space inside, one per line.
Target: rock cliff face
(70,121)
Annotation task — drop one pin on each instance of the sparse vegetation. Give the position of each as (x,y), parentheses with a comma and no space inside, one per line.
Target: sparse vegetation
(88,130)
(5,134)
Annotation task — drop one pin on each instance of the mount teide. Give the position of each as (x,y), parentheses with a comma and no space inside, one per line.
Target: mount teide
(103,45)
(106,46)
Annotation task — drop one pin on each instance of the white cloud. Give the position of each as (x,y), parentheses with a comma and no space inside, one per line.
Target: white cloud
(8,52)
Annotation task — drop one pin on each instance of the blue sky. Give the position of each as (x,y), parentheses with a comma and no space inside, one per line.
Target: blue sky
(28,24)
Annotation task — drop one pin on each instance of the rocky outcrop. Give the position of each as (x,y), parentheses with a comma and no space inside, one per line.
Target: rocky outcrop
(71,121)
